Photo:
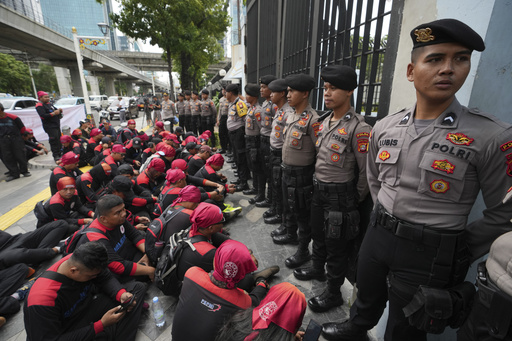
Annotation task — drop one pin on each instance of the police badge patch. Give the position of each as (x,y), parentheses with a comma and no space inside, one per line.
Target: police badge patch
(459,139)
(384,155)
(439,186)
(443,165)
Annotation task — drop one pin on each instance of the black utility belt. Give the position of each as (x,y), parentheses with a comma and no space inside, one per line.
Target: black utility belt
(276,152)
(414,232)
(252,137)
(297,170)
(333,187)
(265,138)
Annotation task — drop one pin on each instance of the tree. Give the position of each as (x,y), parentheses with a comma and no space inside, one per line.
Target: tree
(187,30)
(15,77)
(45,78)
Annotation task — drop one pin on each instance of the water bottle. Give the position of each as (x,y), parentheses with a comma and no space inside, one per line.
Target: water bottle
(158,312)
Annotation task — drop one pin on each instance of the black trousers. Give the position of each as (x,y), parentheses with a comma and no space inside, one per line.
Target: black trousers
(10,280)
(329,247)
(195,125)
(188,122)
(207,123)
(181,119)
(12,149)
(277,184)
(255,163)
(297,187)
(407,264)
(223,133)
(267,167)
(54,139)
(237,138)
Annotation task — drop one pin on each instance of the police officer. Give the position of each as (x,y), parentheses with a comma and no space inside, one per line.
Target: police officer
(180,109)
(299,155)
(236,128)
(252,143)
(188,111)
(339,184)
(222,118)
(195,108)
(208,115)
(274,214)
(268,112)
(426,165)
(168,110)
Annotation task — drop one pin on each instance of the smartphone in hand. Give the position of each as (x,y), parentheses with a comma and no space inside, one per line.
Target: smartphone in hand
(126,304)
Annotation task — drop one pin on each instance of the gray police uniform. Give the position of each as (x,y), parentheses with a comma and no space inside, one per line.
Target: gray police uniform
(424,185)
(252,143)
(222,119)
(299,156)
(236,128)
(195,108)
(208,115)
(268,111)
(339,184)
(180,111)
(168,111)
(188,115)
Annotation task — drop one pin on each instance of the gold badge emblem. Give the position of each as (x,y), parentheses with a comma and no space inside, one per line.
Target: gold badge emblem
(384,155)
(335,157)
(459,139)
(443,165)
(342,131)
(295,134)
(439,186)
(424,35)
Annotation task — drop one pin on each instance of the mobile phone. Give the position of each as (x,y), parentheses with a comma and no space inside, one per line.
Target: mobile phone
(313,331)
(126,304)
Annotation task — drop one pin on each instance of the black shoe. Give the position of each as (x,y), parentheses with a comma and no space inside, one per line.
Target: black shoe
(233,166)
(343,331)
(242,187)
(277,219)
(251,191)
(269,213)
(263,203)
(255,200)
(230,161)
(27,174)
(325,301)
(300,257)
(222,151)
(266,273)
(229,154)
(278,231)
(235,173)
(235,182)
(10,178)
(286,239)
(309,273)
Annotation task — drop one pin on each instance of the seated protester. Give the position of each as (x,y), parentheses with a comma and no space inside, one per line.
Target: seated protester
(125,245)
(127,170)
(11,278)
(94,140)
(157,130)
(114,159)
(168,153)
(32,146)
(198,160)
(33,247)
(107,130)
(76,135)
(138,207)
(181,210)
(102,150)
(133,152)
(65,205)
(189,151)
(90,184)
(278,317)
(144,138)
(146,153)
(148,179)
(175,181)
(179,132)
(68,166)
(85,128)
(210,169)
(77,298)
(69,145)
(202,294)
(172,141)
(129,132)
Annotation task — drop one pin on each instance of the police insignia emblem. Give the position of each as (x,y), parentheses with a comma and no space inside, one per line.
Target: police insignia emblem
(384,155)
(342,131)
(443,165)
(258,116)
(335,146)
(295,142)
(424,35)
(335,157)
(459,139)
(302,123)
(277,128)
(362,145)
(316,128)
(509,164)
(295,134)
(278,134)
(321,127)
(363,135)
(267,118)
(439,186)
(268,109)
(506,146)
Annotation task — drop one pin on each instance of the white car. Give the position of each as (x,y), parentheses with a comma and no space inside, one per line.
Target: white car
(98,102)
(111,99)
(18,103)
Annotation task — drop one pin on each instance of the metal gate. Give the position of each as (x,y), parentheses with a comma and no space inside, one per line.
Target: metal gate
(303,36)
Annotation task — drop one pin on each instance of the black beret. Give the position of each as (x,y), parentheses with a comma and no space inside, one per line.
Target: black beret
(122,183)
(300,82)
(178,129)
(232,88)
(125,169)
(446,31)
(278,85)
(187,92)
(341,76)
(181,94)
(195,93)
(206,92)
(252,90)
(267,79)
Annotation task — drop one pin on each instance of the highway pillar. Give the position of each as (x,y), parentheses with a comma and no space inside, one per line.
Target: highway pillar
(76,82)
(129,88)
(110,88)
(62,75)
(95,87)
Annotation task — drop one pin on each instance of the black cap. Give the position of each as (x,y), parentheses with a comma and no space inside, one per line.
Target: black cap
(195,93)
(125,169)
(105,139)
(300,82)
(122,184)
(181,94)
(137,142)
(192,145)
(341,76)
(446,31)
(187,92)
(267,79)
(252,90)
(206,92)
(178,130)
(278,85)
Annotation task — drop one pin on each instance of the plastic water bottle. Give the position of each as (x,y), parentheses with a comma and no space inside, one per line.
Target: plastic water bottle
(158,312)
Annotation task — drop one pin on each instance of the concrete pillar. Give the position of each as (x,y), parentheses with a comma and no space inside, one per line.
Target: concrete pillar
(95,87)
(75,81)
(129,88)
(110,88)
(62,75)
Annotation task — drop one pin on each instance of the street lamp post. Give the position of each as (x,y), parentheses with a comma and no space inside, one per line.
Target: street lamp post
(82,77)
(104,29)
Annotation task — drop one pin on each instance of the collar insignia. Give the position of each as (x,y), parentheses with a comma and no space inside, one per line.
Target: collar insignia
(424,35)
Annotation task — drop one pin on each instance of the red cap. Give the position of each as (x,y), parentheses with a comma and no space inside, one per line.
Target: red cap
(131,122)
(188,193)
(205,215)
(207,133)
(172,137)
(179,164)
(232,261)
(95,132)
(41,94)
(65,182)
(29,131)
(166,149)
(191,139)
(158,164)
(205,148)
(174,175)
(143,137)
(118,148)
(65,139)
(216,160)
(159,124)
(76,132)
(69,158)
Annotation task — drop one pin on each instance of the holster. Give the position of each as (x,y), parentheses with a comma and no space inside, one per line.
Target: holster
(352,222)
(334,225)
(304,197)
(291,198)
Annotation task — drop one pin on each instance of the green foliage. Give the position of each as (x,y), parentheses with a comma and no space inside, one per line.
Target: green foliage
(15,77)
(45,78)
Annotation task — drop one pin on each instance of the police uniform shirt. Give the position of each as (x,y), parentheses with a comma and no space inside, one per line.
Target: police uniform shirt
(188,107)
(300,136)
(208,108)
(268,111)
(195,107)
(223,106)
(167,109)
(237,111)
(253,120)
(180,107)
(434,177)
(278,124)
(342,146)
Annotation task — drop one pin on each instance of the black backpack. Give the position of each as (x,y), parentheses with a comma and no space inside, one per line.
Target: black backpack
(72,241)
(166,272)
(41,214)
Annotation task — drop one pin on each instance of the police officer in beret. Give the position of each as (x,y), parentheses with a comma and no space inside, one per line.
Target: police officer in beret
(279,93)
(268,111)
(188,111)
(299,156)
(339,185)
(195,108)
(426,166)
(208,114)
(222,118)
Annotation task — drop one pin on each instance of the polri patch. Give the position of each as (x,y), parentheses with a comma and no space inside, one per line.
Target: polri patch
(362,145)
(439,186)
(443,165)
(278,134)
(295,142)
(363,135)
(335,157)
(335,146)
(295,134)
(384,155)
(342,131)
(459,139)
(506,146)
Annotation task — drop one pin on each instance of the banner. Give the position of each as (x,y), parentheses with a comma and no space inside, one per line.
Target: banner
(30,118)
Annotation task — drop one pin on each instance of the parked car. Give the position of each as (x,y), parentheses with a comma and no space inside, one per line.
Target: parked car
(67,102)
(98,102)
(111,99)
(18,103)
(132,110)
